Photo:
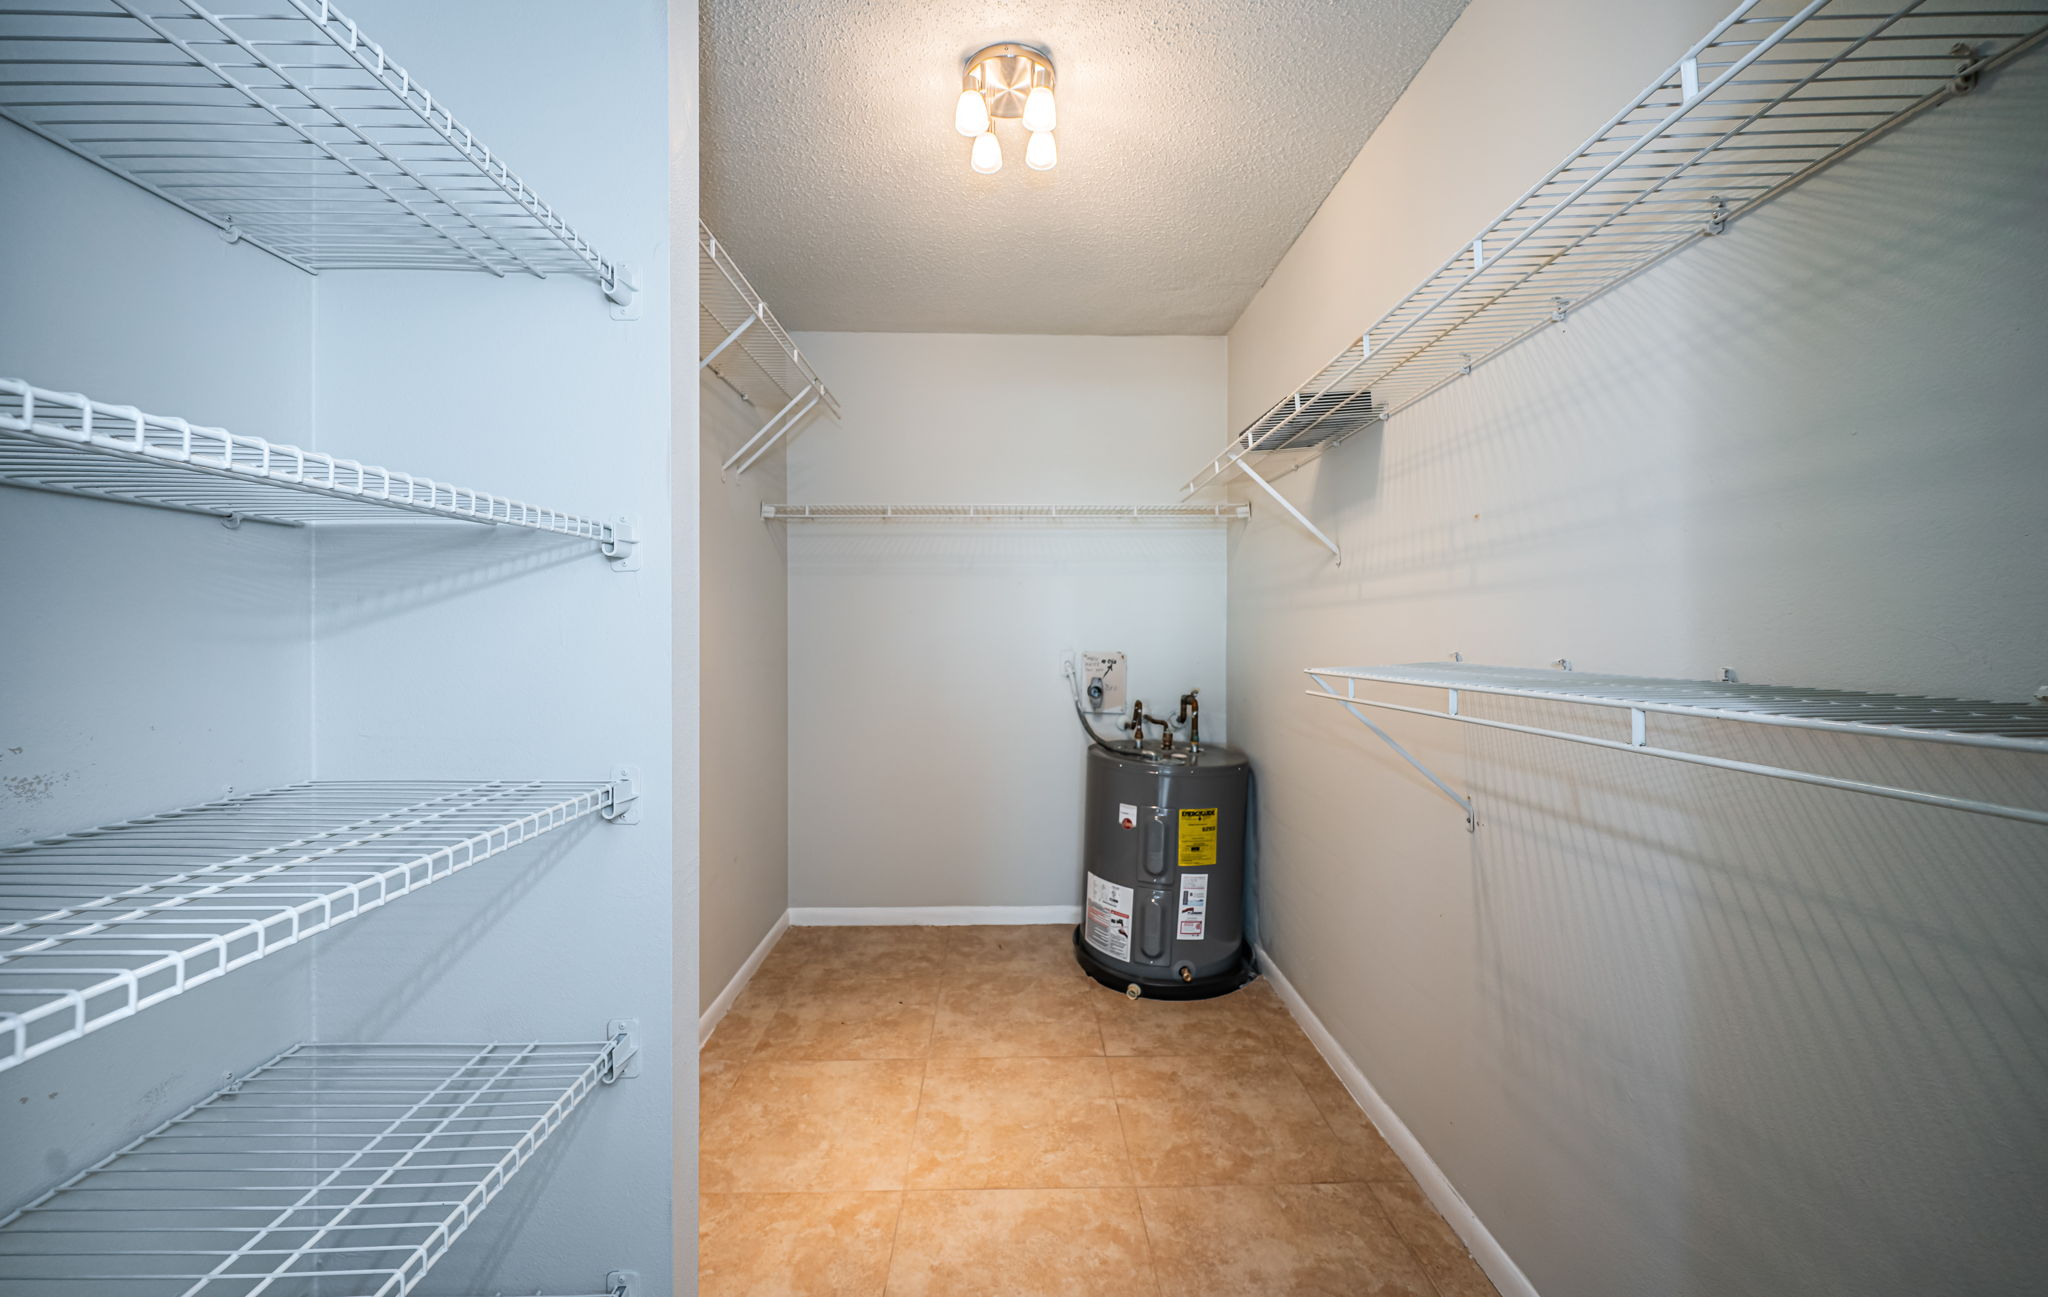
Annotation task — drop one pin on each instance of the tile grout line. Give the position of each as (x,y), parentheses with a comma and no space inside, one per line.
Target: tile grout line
(1394,1228)
(1137,1190)
(1123,1136)
(1100,1007)
(924,1072)
(916,1118)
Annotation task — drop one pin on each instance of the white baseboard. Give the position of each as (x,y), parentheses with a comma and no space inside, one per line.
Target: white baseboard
(709,1019)
(1485,1249)
(929,915)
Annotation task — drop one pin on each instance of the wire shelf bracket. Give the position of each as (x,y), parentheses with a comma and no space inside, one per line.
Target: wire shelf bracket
(2011,727)
(286,128)
(70,444)
(1185,514)
(100,925)
(743,345)
(1777,91)
(330,1168)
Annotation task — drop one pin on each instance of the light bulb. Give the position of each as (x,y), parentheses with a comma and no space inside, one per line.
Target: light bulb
(1041,154)
(970,115)
(1040,114)
(987,157)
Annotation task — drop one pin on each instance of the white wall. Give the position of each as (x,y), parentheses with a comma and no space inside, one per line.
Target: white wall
(156,659)
(934,758)
(744,597)
(487,653)
(152,659)
(1667,1030)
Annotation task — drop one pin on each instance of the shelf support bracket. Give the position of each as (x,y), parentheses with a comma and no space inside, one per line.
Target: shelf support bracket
(1292,512)
(783,421)
(732,337)
(625,804)
(1347,698)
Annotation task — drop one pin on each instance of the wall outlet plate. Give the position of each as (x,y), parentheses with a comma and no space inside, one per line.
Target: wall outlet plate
(1102,682)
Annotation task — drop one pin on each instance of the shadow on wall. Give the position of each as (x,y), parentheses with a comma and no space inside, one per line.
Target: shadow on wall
(421,939)
(1782,357)
(1825,1013)
(1673,1030)
(373,572)
(183,560)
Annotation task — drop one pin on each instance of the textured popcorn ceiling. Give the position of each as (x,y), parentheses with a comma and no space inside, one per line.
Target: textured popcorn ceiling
(1196,139)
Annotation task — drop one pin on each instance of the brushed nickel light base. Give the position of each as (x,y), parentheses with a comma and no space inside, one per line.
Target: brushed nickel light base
(1005,74)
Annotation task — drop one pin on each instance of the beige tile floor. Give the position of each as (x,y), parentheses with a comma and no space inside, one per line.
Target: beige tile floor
(903,1112)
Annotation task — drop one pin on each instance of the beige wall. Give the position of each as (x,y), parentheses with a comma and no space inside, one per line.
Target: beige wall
(934,755)
(1672,1031)
(744,722)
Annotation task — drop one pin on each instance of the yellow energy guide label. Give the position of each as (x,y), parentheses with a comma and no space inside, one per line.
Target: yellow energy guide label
(1197,837)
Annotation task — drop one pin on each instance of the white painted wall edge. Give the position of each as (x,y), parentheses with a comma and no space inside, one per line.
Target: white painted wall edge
(1485,1249)
(853,916)
(709,1019)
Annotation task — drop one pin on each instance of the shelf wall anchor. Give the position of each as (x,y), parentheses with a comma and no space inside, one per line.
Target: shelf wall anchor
(622,290)
(621,549)
(622,1060)
(1965,79)
(625,803)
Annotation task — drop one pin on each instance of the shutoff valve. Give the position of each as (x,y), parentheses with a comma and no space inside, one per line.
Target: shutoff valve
(1102,681)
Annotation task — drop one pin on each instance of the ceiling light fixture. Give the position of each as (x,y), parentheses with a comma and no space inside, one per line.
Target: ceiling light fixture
(1014,83)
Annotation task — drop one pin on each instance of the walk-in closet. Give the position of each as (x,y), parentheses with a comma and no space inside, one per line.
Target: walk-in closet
(775,648)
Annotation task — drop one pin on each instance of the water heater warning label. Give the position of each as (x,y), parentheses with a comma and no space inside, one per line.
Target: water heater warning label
(1197,837)
(1194,906)
(1109,918)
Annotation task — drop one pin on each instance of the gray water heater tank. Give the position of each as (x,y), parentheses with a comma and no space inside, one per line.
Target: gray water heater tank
(1163,862)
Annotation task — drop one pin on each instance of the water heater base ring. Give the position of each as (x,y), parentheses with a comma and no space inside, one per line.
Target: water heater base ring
(1157,988)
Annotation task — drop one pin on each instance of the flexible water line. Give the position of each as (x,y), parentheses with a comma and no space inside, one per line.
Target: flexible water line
(1074,688)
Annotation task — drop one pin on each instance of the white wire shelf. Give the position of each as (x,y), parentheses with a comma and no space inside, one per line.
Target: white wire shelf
(100,925)
(2009,727)
(333,1170)
(68,443)
(1774,93)
(285,127)
(742,343)
(1185,514)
